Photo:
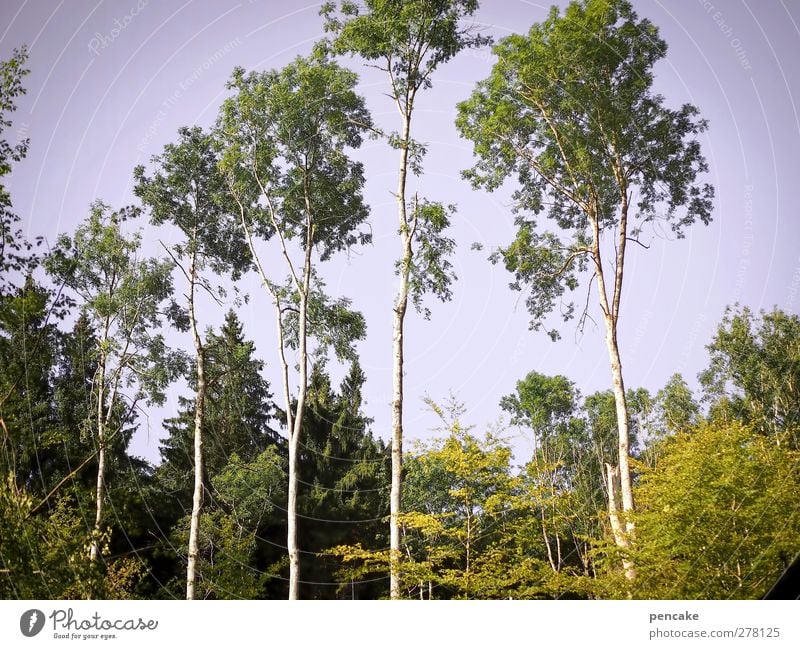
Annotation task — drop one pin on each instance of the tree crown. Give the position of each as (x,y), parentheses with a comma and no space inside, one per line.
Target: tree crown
(569,110)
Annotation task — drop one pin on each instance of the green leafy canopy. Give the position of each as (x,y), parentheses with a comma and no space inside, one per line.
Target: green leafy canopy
(122,295)
(187,190)
(285,136)
(410,37)
(568,110)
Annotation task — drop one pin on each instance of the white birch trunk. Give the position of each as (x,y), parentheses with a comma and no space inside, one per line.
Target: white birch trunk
(399,313)
(621,403)
(199,416)
(294,440)
(547,544)
(622,537)
(94,551)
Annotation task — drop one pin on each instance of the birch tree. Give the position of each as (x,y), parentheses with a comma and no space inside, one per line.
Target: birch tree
(568,109)
(122,296)
(407,40)
(187,190)
(286,136)
(561,475)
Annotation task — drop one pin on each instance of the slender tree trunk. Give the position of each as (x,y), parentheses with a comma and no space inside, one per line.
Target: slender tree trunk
(399,314)
(94,551)
(610,310)
(468,551)
(291,507)
(199,417)
(291,514)
(291,528)
(555,563)
(626,483)
(559,562)
(623,537)
(294,421)
(294,440)
(397,440)
(622,422)
(284,369)
(547,543)
(100,489)
(620,537)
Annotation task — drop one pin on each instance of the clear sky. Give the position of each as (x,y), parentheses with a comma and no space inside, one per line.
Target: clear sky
(111,82)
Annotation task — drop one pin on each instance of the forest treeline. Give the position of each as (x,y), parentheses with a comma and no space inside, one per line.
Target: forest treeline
(284,490)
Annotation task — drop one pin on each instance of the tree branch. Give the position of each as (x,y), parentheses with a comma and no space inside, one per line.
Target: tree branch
(635,240)
(585,314)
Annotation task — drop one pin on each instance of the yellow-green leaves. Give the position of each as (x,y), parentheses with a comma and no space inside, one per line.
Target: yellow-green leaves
(718,516)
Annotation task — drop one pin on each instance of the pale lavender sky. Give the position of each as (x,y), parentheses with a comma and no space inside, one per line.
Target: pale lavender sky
(102,99)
